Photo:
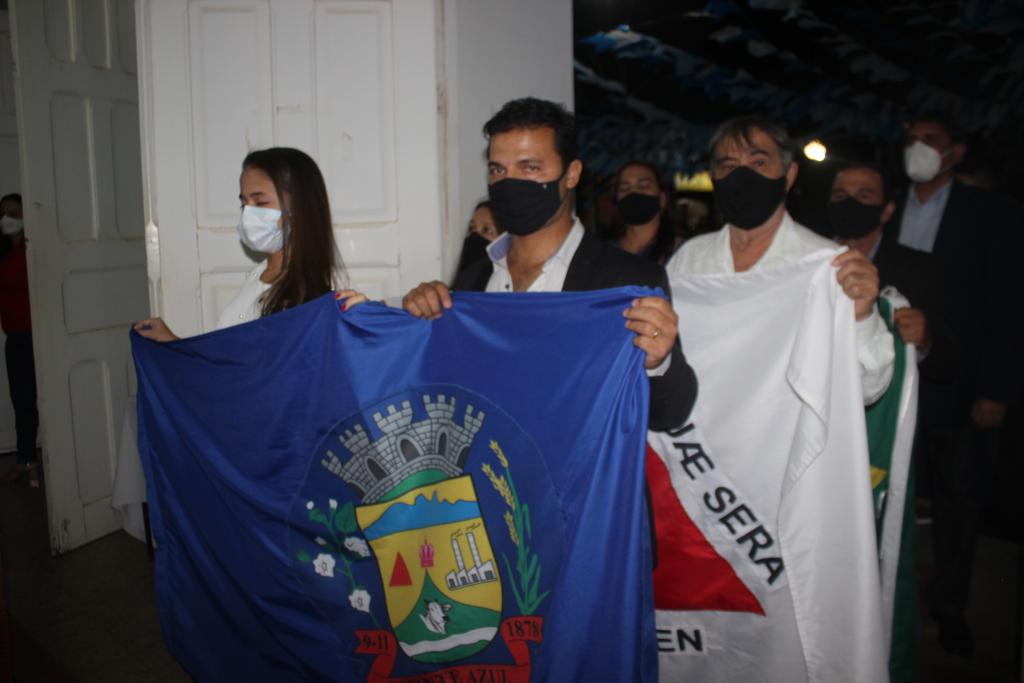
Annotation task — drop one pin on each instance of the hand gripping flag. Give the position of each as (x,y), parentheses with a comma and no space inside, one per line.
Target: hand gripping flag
(768,565)
(365,496)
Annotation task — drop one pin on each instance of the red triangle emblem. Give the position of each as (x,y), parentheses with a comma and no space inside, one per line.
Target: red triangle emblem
(400,573)
(690,575)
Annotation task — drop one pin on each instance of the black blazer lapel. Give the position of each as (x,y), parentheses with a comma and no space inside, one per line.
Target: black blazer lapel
(952,218)
(584,264)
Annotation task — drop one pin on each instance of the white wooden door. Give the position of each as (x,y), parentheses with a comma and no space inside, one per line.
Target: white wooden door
(77,109)
(10,181)
(351,82)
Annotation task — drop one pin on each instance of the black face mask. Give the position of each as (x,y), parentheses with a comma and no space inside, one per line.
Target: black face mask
(747,199)
(852,219)
(523,207)
(637,209)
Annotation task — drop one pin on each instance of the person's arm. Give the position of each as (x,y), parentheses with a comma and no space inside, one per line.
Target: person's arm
(155,329)
(939,363)
(674,392)
(876,356)
(875,352)
(351,297)
(428,300)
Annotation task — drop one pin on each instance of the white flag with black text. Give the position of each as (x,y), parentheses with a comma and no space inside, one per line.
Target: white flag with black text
(767,560)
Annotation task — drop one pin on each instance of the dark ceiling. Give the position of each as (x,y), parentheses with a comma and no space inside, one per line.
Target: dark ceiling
(654,78)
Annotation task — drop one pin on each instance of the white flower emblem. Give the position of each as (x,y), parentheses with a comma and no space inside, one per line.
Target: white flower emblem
(357,546)
(360,600)
(333,503)
(309,505)
(324,565)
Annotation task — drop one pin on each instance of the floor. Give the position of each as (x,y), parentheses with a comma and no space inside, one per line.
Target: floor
(90,615)
(86,616)
(994,615)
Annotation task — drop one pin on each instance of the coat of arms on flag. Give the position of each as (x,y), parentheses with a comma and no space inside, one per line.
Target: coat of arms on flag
(372,497)
(438,526)
(434,510)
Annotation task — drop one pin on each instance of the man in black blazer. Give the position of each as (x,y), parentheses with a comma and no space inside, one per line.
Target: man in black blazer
(859,207)
(974,237)
(532,169)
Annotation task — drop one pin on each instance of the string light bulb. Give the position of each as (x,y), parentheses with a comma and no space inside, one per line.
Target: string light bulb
(815,150)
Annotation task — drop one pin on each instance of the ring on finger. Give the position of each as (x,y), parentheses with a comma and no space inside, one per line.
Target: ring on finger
(657,331)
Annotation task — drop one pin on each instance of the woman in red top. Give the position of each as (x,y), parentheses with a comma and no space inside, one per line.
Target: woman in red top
(17,325)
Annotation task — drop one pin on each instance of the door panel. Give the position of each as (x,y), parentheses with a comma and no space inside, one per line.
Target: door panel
(127,58)
(74,179)
(59,18)
(88,384)
(231,99)
(103,298)
(127,161)
(355,123)
(95,18)
(78,130)
(320,75)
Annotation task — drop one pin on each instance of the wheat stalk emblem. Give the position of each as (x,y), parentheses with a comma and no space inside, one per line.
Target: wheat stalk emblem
(517,519)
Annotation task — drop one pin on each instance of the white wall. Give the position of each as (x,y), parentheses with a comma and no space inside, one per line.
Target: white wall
(496,50)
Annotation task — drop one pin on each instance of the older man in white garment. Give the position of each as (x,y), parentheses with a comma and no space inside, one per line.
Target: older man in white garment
(752,168)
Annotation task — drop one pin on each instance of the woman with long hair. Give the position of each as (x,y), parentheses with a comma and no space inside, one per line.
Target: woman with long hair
(643,223)
(286,215)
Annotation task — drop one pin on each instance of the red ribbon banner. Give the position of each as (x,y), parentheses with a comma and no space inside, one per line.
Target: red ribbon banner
(517,632)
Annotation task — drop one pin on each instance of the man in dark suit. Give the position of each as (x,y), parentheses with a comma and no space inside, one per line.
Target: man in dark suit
(860,206)
(973,235)
(532,169)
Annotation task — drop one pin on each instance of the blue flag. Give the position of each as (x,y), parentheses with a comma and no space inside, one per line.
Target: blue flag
(365,496)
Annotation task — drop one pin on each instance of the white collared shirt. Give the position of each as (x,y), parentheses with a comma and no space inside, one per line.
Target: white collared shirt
(919,225)
(245,306)
(552,274)
(711,254)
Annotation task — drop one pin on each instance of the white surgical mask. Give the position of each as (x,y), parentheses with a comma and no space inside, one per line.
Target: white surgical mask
(922,162)
(258,228)
(10,225)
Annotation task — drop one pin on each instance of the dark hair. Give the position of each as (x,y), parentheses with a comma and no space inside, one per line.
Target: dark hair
(887,190)
(310,256)
(665,239)
(948,123)
(741,129)
(482,204)
(529,113)
(15,196)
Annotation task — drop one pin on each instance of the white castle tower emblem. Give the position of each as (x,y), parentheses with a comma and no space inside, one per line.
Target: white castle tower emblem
(405,447)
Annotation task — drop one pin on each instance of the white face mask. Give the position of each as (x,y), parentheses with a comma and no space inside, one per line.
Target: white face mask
(258,228)
(10,225)
(922,162)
